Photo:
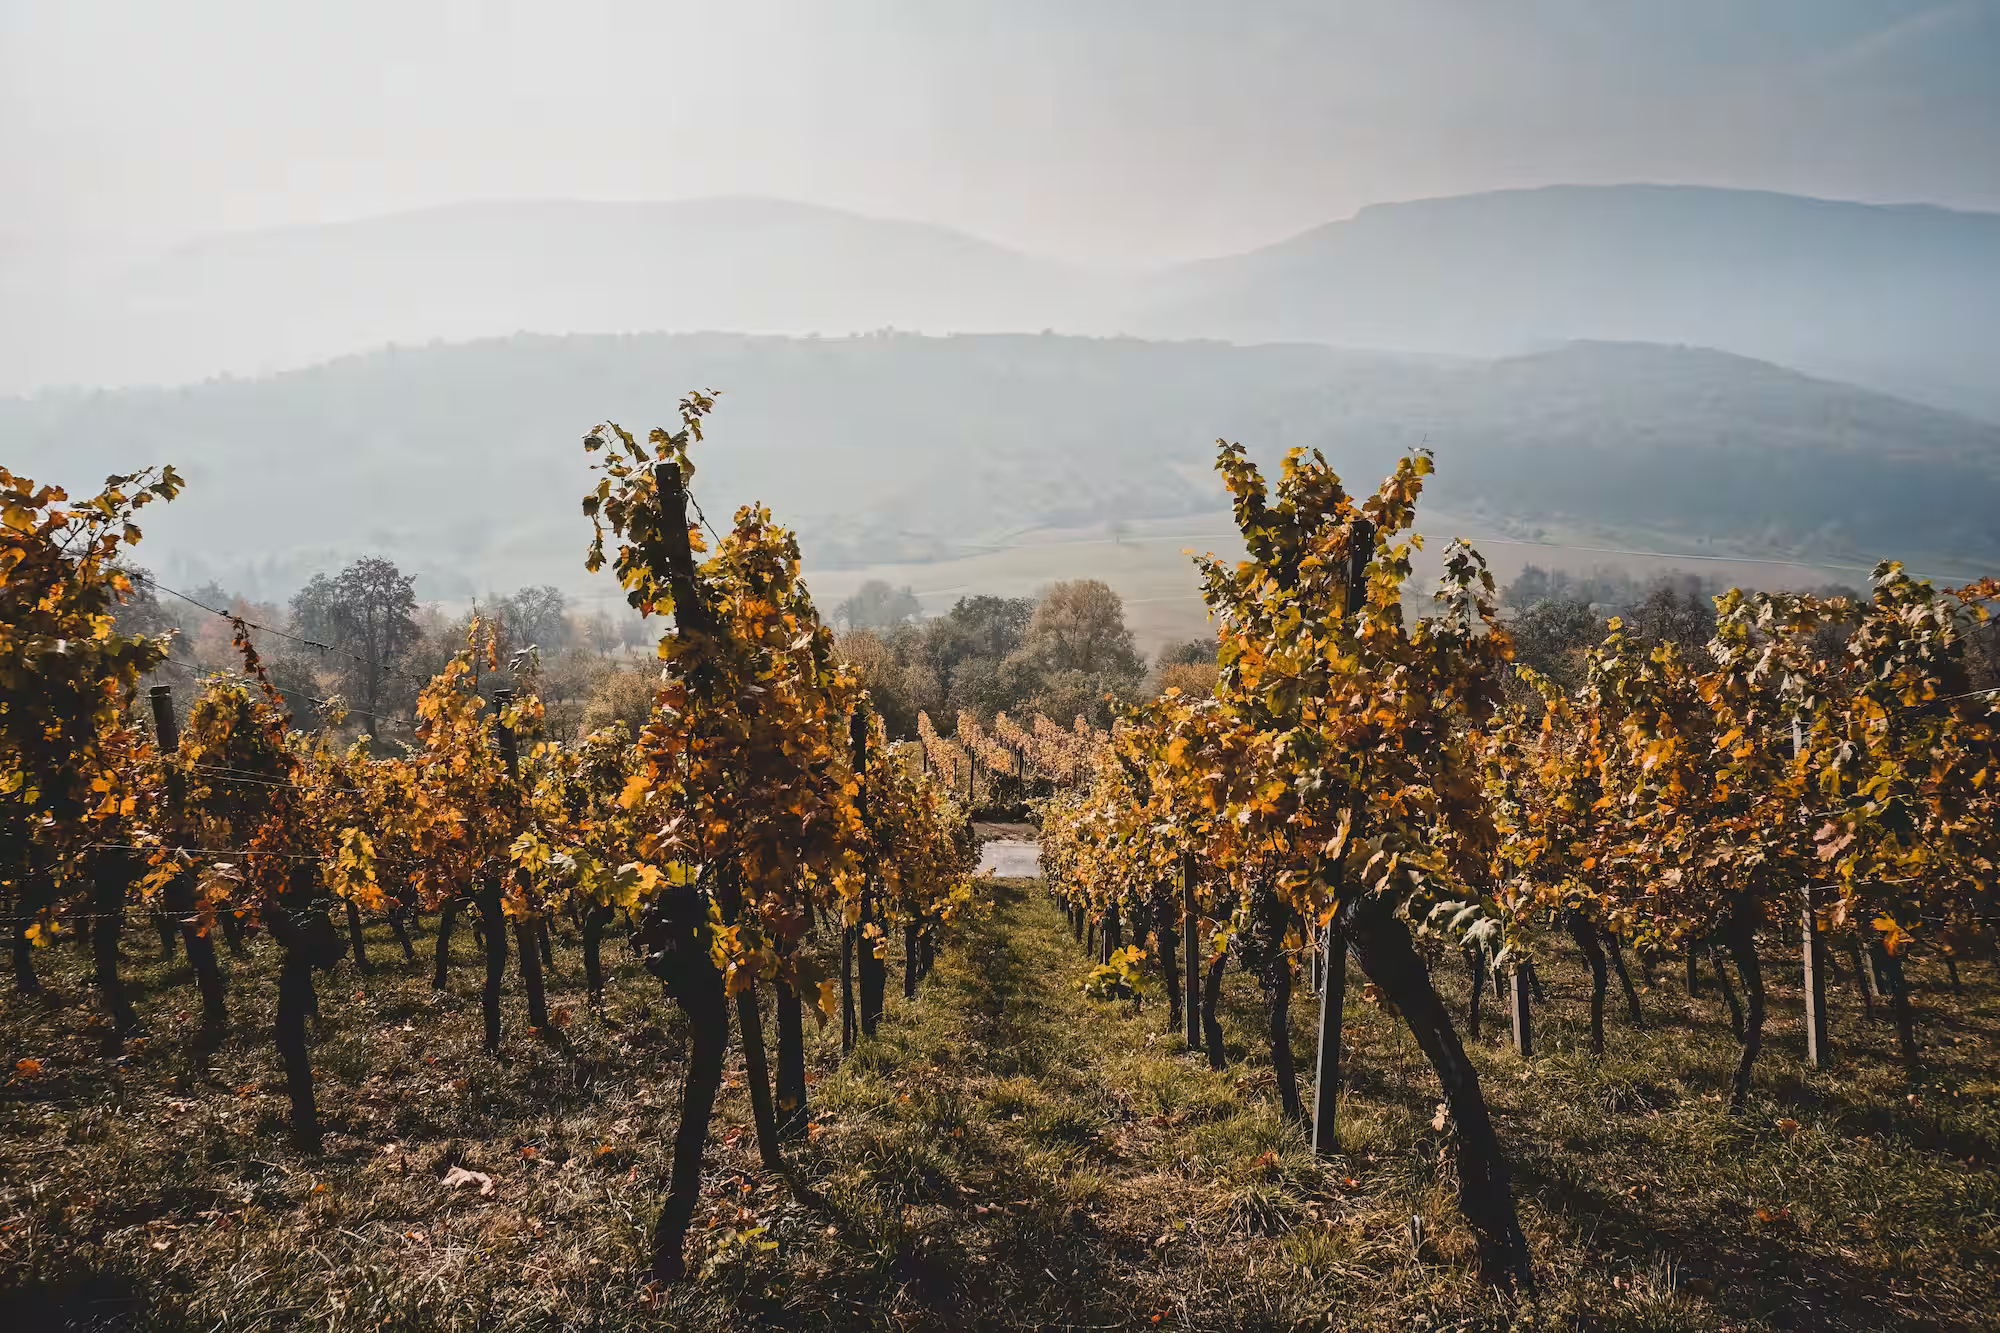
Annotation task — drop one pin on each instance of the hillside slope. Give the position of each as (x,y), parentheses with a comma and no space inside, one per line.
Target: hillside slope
(463,460)
(1901,297)
(284,298)
(1904,299)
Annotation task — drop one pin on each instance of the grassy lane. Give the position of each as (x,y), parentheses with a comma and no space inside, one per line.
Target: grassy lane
(1010,1154)
(1006,1154)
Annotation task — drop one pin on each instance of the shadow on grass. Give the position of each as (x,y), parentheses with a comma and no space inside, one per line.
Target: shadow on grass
(97,1302)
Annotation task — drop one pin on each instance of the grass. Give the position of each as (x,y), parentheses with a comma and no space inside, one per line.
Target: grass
(1005,1154)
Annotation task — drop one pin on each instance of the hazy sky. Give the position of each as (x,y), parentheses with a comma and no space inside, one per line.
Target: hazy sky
(1134,130)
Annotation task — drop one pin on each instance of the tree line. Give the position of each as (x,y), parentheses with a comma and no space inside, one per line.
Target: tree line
(1064,653)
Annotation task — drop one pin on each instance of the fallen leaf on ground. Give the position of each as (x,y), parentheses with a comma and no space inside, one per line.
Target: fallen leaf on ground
(458,1175)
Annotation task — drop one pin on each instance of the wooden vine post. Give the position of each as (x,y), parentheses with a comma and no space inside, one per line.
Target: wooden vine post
(1191,951)
(1817,1054)
(1326,1072)
(1523,1011)
(1814,977)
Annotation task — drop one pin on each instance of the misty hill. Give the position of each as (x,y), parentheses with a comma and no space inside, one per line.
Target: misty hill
(289,297)
(463,461)
(1905,298)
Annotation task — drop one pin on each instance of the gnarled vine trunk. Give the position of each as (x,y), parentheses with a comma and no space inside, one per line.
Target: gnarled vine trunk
(494,917)
(595,918)
(111,881)
(750,1028)
(359,946)
(232,932)
(1475,963)
(400,927)
(447,918)
(1899,1005)
(531,972)
(1863,974)
(1617,952)
(1211,1027)
(1585,934)
(163,925)
(179,894)
(31,896)
(791,1063)
(1274,974)
(25,980)
(1728,992)
(1743,945)
(295,1002)
(675,935)
(1381,943)
(306,940)
(757,1073)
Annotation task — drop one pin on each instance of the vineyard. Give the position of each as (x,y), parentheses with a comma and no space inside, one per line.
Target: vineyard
(647,1068)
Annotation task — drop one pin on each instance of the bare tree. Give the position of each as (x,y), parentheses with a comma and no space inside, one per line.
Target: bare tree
(367,616)
(535,618)
(878,605)
(1674,609)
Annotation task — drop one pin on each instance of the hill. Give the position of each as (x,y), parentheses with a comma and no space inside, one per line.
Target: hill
(463,460)
(1905,298)
(285,298)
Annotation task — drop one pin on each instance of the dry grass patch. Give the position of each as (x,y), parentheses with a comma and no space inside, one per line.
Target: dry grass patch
(1005,1154)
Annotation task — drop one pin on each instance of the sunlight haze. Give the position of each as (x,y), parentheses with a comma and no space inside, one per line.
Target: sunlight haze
(1119,132)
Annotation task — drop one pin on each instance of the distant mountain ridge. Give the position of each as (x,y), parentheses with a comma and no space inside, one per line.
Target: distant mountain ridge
(462,460)
(289,297)
(1903,298)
